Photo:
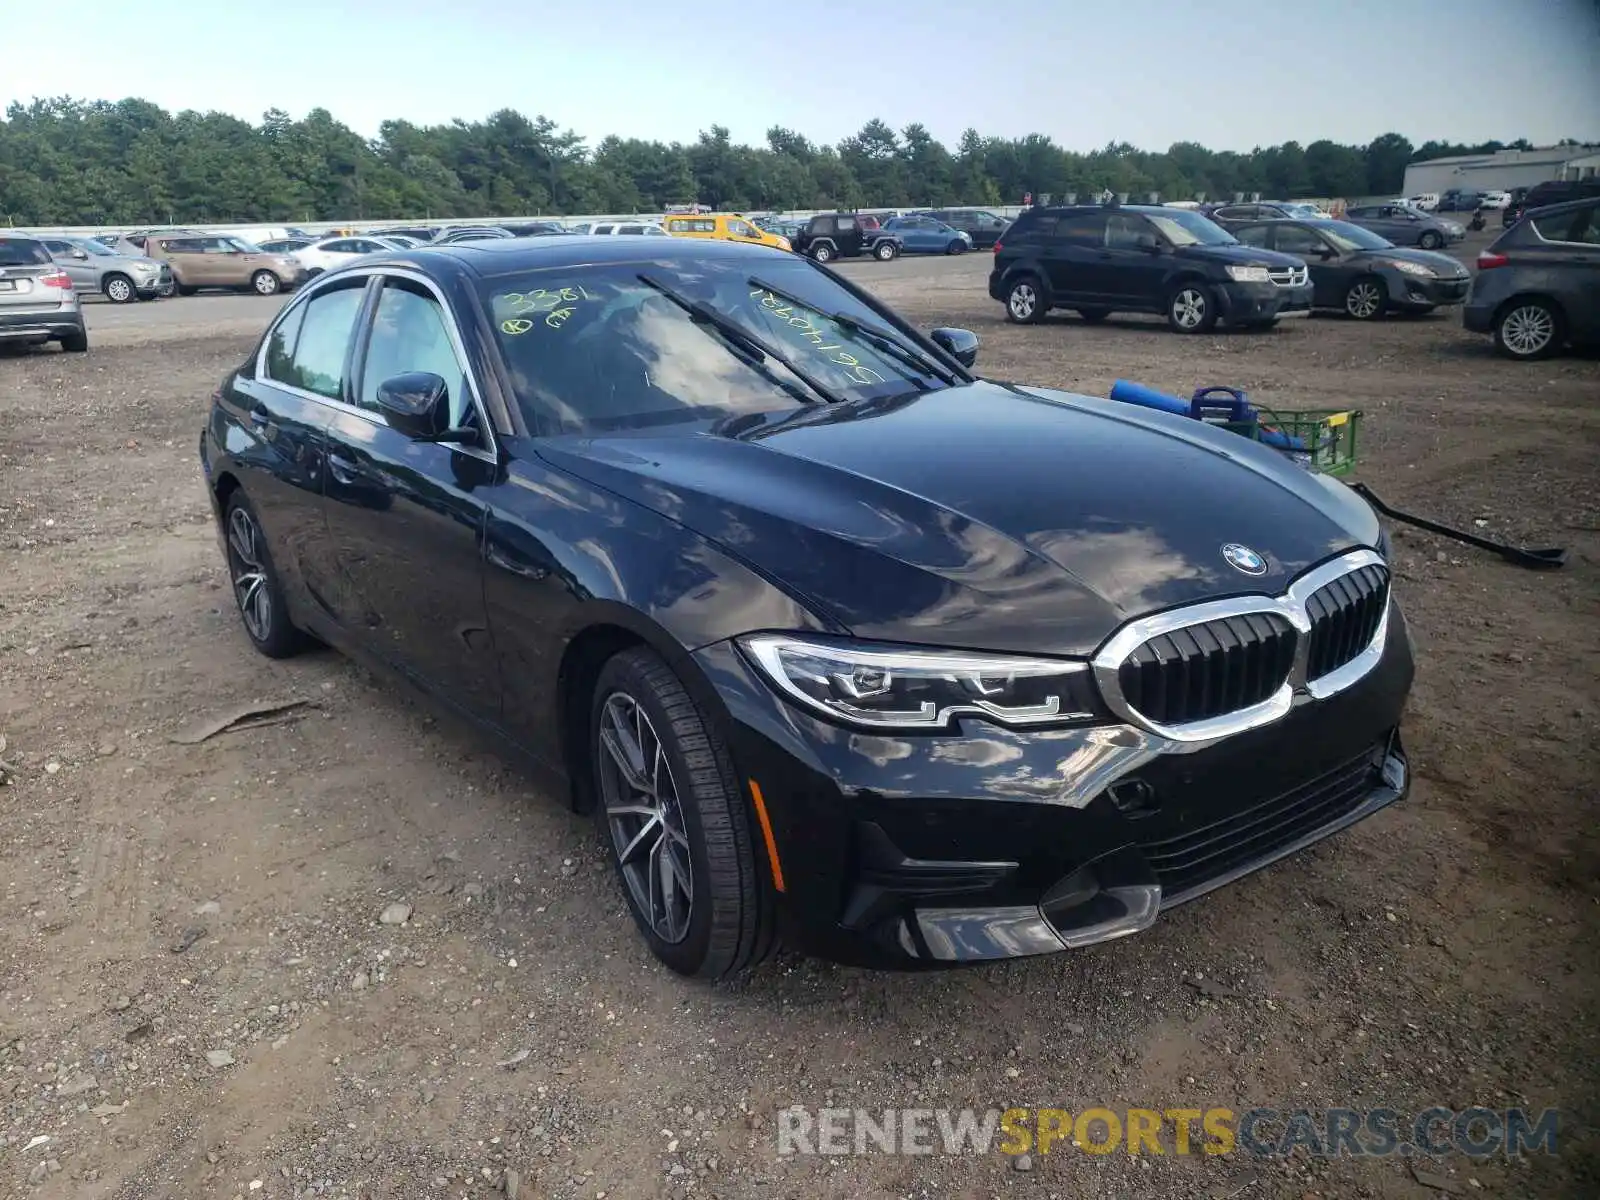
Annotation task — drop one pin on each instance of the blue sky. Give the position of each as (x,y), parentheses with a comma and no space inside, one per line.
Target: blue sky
(1227,74)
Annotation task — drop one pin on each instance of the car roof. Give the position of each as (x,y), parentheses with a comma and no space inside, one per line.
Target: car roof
(502,256)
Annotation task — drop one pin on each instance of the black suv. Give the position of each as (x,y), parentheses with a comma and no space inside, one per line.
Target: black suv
(828,236)
(1136,258)
(1555,191)
(982,226)
(1538,286)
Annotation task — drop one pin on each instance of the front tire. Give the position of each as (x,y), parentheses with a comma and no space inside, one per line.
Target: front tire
(1366,299)
(1025,303)
(887,251)
(257,591)
(1528,329)
(1430,240)
(1191,308)
(265,283)
(673,817)
(119,289)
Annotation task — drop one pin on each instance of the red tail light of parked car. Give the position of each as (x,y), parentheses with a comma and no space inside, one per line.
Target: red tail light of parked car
(1488,259)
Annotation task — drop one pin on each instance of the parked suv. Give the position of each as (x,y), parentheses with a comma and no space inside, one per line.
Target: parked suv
(828,236)
(221,261)
(1100,260)
(94,267)
(981,225)
(1555,191)
(1538,285)
(37,301)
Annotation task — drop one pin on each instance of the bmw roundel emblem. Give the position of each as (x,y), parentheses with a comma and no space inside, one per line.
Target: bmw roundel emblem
(1242,558)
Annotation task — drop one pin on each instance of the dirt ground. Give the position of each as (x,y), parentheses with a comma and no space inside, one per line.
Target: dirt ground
(198,997)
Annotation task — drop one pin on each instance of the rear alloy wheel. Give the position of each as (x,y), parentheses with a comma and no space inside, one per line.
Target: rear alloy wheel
(256,590)
(887,251)
(1528,329)
(956,246)
(674,818)
(822,253)
(1430,240)
(1024,304)
(266,283)
(118,289)
(1366,299)
(1191,309)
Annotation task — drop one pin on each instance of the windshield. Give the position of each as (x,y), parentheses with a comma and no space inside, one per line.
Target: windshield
(1183,228)
(592,348)
(1352,237)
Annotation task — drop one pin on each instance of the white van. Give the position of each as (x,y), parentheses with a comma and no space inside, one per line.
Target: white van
(1427,201)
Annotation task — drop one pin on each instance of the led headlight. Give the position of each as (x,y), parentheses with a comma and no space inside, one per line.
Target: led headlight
(1248,274)
(1411,268)
(878,686)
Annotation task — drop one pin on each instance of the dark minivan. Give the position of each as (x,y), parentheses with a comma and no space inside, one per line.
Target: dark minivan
(1138,258)
(1538,285)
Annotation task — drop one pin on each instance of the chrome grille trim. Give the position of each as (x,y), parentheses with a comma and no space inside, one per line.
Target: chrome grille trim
(1291,606)
(1289,276)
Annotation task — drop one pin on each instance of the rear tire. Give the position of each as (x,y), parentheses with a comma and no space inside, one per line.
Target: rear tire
(1191,308)
(957,246)
(257,591)
(669,806)
(76,343)
(822,253)
(1025,304)
(118,288)
(1528,329)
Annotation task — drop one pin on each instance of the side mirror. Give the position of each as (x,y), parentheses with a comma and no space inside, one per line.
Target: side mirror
(1326,252)
(417,404)
(81,255)
(959,344)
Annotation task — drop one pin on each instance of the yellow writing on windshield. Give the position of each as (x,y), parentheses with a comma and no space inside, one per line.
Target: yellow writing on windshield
(816,337)
(555,305)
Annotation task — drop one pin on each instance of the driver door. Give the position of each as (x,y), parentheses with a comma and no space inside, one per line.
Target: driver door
(406,518)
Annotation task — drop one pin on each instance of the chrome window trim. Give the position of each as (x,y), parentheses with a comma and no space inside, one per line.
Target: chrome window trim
(1291,606)
(327,280)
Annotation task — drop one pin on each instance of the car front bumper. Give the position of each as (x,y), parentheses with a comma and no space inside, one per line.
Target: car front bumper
(902,851)
(1416,292)
(1243,303)
(41,326)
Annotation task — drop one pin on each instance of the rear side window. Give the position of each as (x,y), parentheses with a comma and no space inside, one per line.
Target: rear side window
(1577,226)
(23,252)
(1081,229)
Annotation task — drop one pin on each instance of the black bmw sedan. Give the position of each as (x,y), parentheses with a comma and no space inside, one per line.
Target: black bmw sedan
(1359,272)
(841,644)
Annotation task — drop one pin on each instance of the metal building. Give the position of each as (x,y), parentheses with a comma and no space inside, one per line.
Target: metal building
(1502,171)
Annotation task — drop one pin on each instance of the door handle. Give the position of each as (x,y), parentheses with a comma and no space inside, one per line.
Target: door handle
(259,416)
(345,470)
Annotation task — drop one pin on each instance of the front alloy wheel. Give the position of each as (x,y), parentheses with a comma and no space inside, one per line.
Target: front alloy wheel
(1191,310)
(675,822)
(1364,301)
(886,251)
(1527,330)
(265,283)
(118,289)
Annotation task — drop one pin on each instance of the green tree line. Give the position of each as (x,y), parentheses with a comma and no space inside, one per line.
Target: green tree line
(70,162)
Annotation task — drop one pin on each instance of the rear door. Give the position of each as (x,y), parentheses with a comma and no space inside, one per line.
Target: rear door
(280,410)
(183,254)
(1073,259)
(81,270)
(407,517)
(1568,246)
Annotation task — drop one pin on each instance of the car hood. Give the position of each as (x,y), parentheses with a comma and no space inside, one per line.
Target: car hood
(1439,264)
(985,516)
(1242,255)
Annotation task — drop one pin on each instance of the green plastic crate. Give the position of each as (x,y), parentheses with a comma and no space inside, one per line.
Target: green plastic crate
(1328,435)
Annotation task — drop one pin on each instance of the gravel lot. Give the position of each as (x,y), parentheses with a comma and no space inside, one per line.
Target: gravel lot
(199,998)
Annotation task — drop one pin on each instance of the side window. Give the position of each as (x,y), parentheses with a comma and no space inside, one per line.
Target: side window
(1254,235)
(317,363)
(1576,226)
(1294,240)
(1122,231)
(847,224)
(342,246)
(56,247)
(1081,230)
(677,226)
(740,229)
(280,345)
(1364,213)
(214,245)
(410,333)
